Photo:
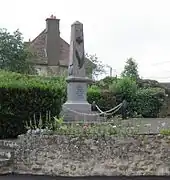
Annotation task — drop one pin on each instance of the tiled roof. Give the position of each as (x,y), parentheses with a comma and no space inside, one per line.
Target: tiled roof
(64,53)
(38,44)
(37,47)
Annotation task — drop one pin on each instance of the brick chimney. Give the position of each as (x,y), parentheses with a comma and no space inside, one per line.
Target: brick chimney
(53,40)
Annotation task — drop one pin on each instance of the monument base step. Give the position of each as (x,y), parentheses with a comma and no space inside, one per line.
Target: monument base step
(77,107)
(80,113)
(71,117)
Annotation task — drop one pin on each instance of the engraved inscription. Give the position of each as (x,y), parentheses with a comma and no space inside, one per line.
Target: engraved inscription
(80,92)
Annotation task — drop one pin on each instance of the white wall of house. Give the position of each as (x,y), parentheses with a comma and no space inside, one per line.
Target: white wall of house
(44,70)
(41,70)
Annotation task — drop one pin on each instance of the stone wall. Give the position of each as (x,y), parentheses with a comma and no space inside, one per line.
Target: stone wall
(70,156)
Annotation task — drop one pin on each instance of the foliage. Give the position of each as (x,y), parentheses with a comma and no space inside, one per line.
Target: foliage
(97,69)
(148,102)
(147,83)
(25,98)
(57,123)
(81,129)
(106,82)
(104,99)
(96,130)
(22,97)
(131,69)
(165,132)
(13,56)
(109,80)
(125,88)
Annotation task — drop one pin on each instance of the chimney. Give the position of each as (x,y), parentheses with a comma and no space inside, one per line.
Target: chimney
(53,40)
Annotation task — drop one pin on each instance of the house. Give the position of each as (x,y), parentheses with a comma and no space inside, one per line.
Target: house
(50,51)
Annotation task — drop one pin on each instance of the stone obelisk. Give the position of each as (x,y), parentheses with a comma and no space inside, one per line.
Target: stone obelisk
(77,81)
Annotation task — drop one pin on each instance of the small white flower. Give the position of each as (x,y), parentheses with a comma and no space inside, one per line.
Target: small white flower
(114,126)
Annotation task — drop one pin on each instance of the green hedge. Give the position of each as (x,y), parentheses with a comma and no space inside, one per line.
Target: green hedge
(104,99)
(148,102)
(22,97)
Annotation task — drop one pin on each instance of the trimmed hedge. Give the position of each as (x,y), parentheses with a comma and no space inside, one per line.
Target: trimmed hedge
(22,97)
(148,102)
(142,100)
(104,99)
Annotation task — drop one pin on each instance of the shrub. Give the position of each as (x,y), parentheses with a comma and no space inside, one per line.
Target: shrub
(146,102)
(165,132)
(109,92)
(149,101)
(104,99)
(106,82)
(124,88)
(22,97)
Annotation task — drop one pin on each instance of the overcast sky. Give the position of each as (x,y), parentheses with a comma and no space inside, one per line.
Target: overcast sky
(114,30)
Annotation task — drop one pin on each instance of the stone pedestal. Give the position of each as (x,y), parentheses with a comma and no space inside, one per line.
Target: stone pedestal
(76,99)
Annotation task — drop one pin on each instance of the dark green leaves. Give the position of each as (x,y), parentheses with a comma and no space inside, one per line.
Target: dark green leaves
(13,55)
(24,97)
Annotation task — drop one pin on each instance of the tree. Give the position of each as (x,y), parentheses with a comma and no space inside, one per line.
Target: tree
(98,68)
(131,69)
(13,55)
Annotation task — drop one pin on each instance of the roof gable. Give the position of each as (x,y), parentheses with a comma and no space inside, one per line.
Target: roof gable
(37,47)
